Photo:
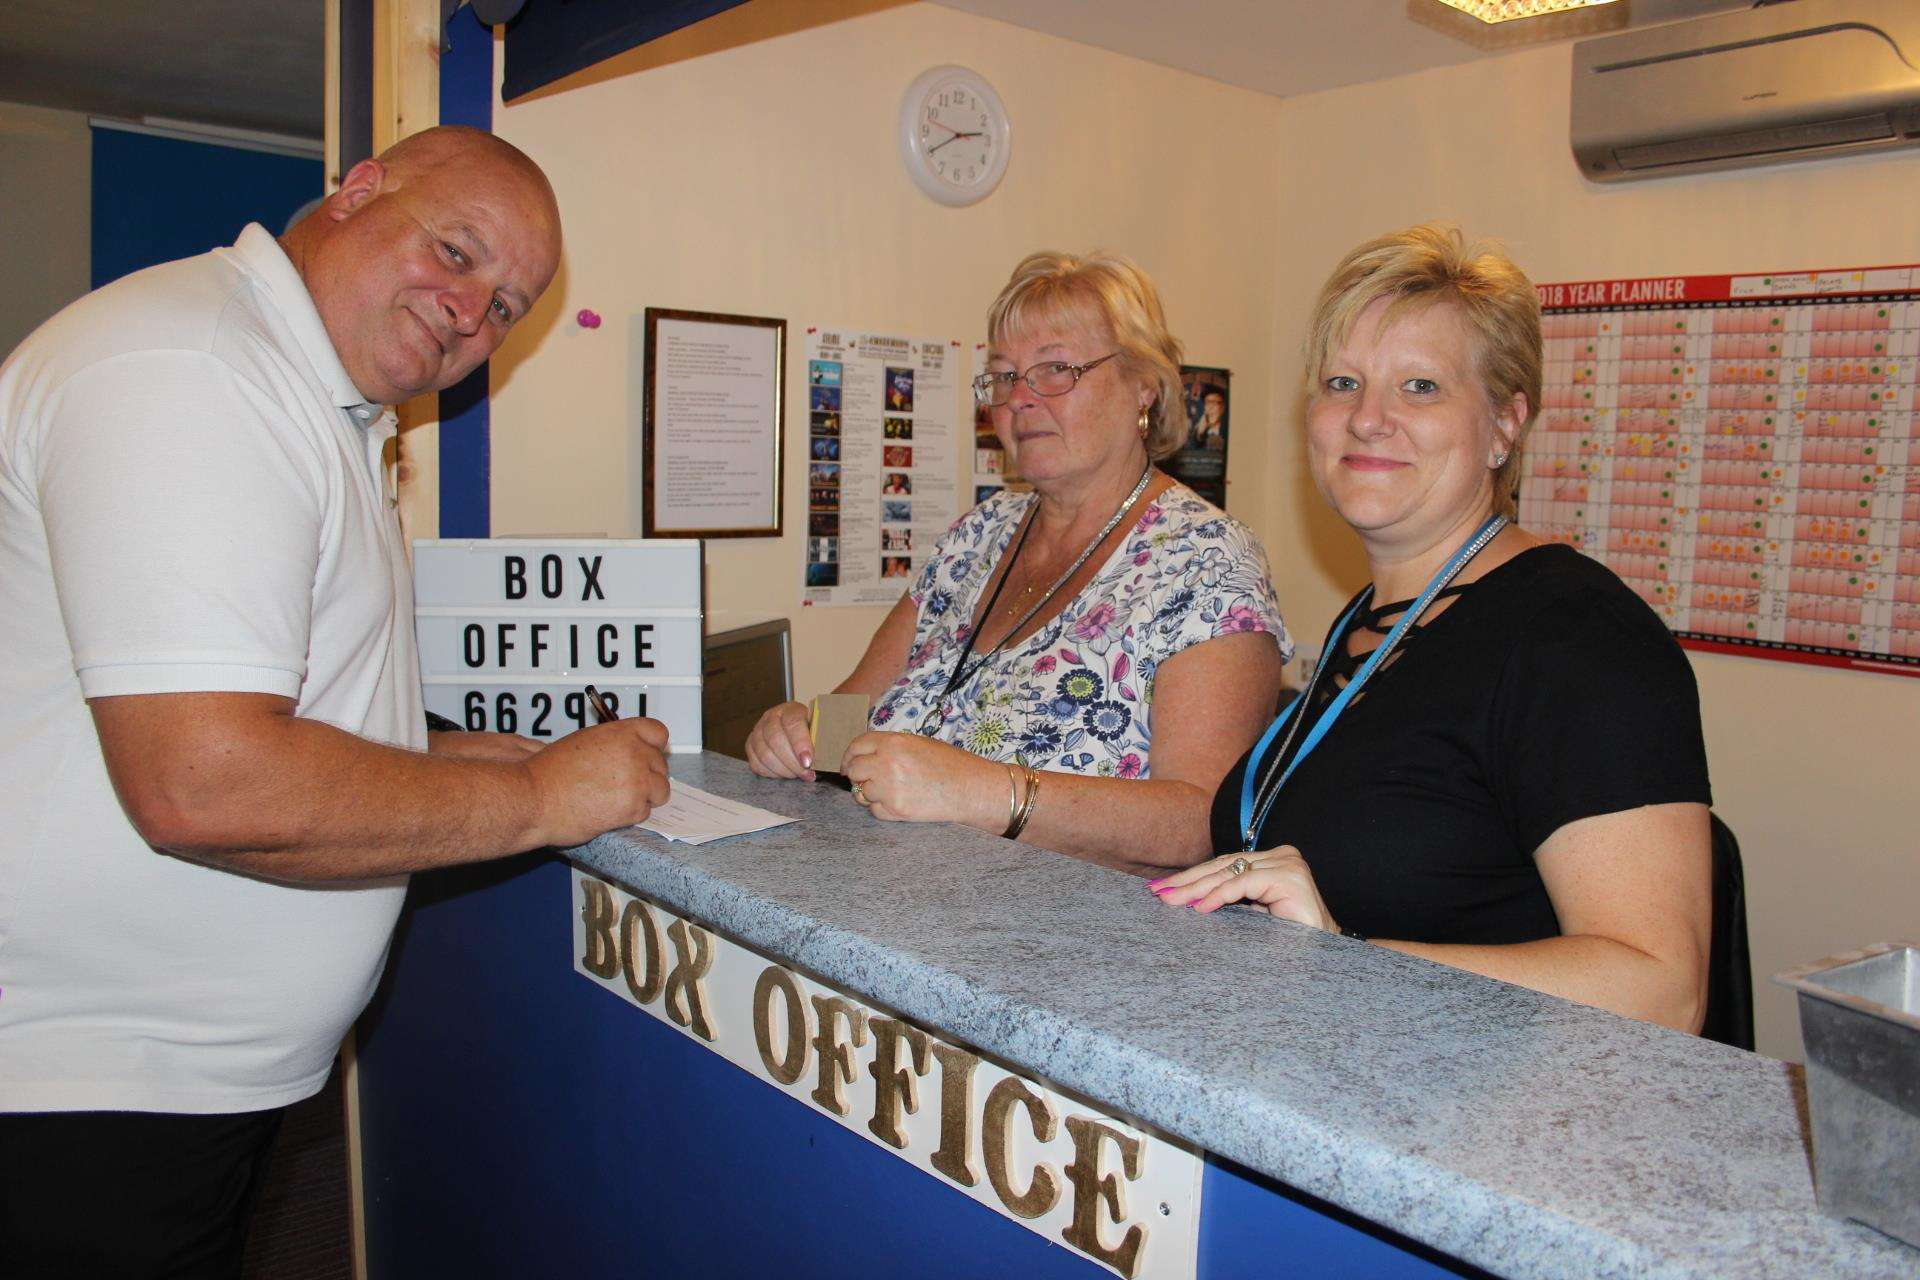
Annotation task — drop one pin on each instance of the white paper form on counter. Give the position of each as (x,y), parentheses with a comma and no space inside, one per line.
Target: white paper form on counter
(693,816)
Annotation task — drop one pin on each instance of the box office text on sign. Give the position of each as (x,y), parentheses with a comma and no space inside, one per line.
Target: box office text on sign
(1124,1198)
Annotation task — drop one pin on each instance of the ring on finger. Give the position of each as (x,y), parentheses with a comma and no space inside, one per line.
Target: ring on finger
(1239,867)
(859,796)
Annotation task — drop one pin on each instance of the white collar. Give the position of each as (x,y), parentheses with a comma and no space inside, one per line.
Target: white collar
(260,254)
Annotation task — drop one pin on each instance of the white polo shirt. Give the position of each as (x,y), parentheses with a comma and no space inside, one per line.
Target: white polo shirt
(192,498)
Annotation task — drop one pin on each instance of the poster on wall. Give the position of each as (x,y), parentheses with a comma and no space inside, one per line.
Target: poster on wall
(1744,451)
(1201,461)
(993,468)
(883,460)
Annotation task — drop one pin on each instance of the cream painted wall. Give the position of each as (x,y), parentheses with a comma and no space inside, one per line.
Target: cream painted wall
(49,237)
(748,165)
(762,178)
(1813,768)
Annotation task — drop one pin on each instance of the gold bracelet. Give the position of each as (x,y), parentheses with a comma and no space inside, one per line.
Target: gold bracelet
(1014,807)
(1020,819)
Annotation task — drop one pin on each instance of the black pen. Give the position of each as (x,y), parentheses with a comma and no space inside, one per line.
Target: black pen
(601,710)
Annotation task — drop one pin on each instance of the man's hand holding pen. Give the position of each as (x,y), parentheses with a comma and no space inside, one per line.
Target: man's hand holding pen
(609,775)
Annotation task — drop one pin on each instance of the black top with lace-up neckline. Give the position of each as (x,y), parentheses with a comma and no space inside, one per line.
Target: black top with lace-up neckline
(1544,693)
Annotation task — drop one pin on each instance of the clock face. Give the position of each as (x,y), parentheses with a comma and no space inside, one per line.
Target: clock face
(954,135)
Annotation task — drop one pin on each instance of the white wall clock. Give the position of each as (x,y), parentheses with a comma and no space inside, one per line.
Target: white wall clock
(955,138)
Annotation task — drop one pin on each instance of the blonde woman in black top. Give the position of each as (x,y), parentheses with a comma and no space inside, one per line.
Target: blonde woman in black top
(1499,765)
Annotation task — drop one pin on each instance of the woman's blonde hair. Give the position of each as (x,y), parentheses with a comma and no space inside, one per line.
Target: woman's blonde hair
(1051,290)
(1431,264)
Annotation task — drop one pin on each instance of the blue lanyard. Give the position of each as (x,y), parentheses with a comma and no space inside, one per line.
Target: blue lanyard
(1249,826)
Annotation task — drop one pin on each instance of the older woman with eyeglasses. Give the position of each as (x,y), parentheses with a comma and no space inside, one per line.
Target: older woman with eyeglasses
(1078,666)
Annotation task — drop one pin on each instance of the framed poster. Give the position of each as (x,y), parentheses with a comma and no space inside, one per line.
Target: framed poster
(1201,462)
(713,410)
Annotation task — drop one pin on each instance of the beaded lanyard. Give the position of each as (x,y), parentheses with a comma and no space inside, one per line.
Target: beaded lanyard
(961,671)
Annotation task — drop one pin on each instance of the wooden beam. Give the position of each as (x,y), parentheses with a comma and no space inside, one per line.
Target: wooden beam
(406,69)
(330,136)
(406,99)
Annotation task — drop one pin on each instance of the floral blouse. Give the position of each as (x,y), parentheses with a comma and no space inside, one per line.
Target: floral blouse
(1077,695)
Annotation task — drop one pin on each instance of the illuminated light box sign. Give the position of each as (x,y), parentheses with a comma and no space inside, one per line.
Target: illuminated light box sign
(1126,1199)
(585,573)
(630,644)
(553,709)
(511,632)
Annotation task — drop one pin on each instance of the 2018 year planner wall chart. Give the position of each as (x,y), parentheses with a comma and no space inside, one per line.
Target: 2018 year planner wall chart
(1744,451)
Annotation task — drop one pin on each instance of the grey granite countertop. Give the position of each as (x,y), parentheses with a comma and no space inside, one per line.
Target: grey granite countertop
(1515,1131)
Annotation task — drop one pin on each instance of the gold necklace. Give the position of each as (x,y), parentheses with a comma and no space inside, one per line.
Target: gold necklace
(961,671)
(1037,580)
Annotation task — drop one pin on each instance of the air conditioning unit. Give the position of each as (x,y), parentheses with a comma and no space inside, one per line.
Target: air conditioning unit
(1800,80)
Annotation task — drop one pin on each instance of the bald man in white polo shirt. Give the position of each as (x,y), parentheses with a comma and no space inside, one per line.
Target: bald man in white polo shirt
(214,766)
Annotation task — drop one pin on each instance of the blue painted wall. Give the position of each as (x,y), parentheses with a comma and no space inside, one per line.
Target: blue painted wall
(156,199)
(466,454)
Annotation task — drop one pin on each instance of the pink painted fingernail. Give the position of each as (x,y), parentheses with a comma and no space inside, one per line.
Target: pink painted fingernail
(1154,885)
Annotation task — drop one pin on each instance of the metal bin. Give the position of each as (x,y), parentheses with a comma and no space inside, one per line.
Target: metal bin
(1860,1019)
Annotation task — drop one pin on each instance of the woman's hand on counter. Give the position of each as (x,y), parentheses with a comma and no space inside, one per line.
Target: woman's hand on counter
(903,777)
(1277,879)
(501,748)
(780,746)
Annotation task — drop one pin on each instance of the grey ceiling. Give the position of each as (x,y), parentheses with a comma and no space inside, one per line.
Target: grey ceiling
(259,64)
(1289,47)
(249,64)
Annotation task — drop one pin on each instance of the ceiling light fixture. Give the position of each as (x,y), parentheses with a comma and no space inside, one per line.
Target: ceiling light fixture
(1508,10)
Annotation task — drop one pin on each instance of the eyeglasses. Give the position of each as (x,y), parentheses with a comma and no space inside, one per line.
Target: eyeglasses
(1049,378)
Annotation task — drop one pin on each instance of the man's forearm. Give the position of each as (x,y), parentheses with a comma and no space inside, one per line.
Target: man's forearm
(502,748)
(297,799)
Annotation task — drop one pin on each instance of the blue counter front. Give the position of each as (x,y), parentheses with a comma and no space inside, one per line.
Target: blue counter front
(1362,1113)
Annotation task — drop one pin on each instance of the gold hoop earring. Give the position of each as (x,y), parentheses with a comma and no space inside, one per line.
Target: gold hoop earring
(1146,421)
